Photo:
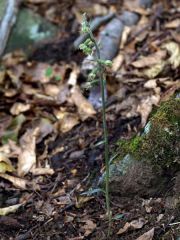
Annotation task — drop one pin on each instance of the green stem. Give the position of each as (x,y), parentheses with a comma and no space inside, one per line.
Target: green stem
(105,130)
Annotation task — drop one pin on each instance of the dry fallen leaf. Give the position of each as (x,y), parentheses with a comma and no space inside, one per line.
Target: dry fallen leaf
(17,182)
(124,229)
(69,218)
(154,70)
(135,224)
(51,89)
(81,200)
(145,107)
(66,120)
(2,75)
(147,236)
(27,157)
(124,37)
(12,131)
(63,200)
(173,49)
(5,163)
(85,109)
(159,217)
(151,83)
(173,24)
(45,128)
(117,62)
(10,209)
(72,81)
(150,60)
(44,72)
(88,227)
(18,108)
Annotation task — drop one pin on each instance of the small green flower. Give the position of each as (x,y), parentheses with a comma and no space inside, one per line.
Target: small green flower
(107,63)
(85,25)
(92,76)
(87,50)
(89,43)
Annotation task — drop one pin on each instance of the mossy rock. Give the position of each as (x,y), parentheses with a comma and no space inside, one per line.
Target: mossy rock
(143,161)
(29,30)
(159,143)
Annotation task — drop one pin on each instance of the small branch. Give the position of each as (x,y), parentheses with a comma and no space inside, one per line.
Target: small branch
(8,20)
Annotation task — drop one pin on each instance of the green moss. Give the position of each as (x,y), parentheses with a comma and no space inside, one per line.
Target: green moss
(131,146)
(160,144)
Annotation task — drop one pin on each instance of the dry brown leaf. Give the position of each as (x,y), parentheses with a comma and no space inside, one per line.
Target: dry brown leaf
(145,107)
(124,37)
(11,209)
(151,84)
(14,58)
(124,229)
(18,108)
(2,76)
(27,157)
(37,73)
(47,209)
(81,200)
(117,62)
(85,109)
(29,90)
(44,72)
(51,89)
(15,74)
(159,217)
(11,92)
(170,92)
(45,128)
(66,120)
(173,49)
(63,200)
(63,94)
(135,224)
(147,236)
(173,24)
(73,76)
(69,218)
(154,70)
(99,9)
(17,182)
(5,163)
(89,227)
(150,60)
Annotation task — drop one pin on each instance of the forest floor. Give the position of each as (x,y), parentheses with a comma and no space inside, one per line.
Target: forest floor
(46,117)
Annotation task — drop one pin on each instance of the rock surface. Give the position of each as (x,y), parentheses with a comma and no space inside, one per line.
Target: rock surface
(30,29)
(145,163)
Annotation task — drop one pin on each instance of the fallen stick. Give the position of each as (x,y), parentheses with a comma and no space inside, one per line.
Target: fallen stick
(7,22)
(109,40)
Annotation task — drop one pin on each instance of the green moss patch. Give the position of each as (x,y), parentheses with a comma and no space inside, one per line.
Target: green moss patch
(159,144)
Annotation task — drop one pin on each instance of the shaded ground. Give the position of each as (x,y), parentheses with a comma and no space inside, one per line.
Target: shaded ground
(54,208)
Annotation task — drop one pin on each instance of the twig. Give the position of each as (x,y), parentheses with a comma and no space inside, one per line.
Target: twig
(172,224)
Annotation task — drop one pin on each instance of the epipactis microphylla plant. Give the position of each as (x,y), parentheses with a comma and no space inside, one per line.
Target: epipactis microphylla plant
(98,75)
